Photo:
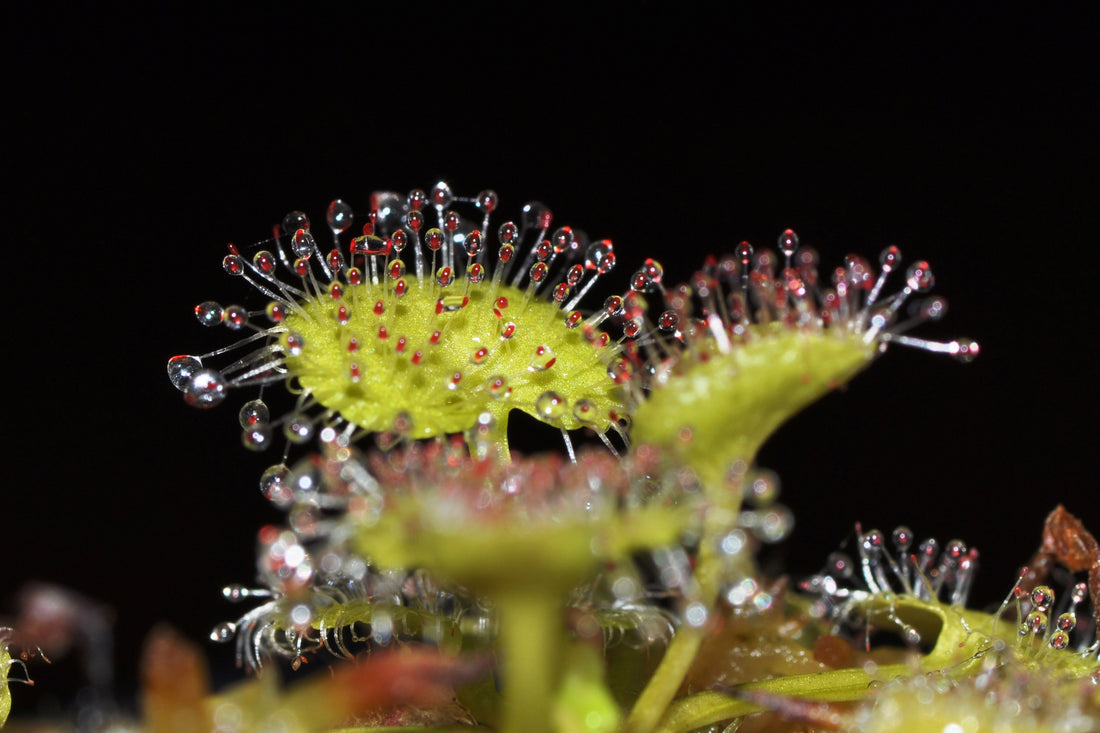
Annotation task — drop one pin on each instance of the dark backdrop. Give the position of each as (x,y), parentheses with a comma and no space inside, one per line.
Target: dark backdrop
(141,145)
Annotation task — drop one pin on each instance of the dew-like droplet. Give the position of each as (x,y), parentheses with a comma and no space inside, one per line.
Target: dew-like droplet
(839,565)
(543,358)
(744,254)
(257,438)
(1080,590)
(302,244)
(1036,622)
(275,485)
(653,270)
(224,632)
(275,312)
(1067,621)
(498,387)
(416,220)
(181,368)
(473,243)
(294,221)
(919,276)
(487,201)
(234,592)
(253,412)
(442,195)
(536,215)
(613,306)
(298,428)
(788,242)
(435,239)
(667,322)
(562,239)
(764,488)
(933,309)
(596,255)
(450,221)
(873,542)
(417,199)
(965,350)
(206,388)
(339,216)
(954,550)
(889,258)
(538,272)
(584,411)
(1042,597)
(550,406)
(236,317)
(507,233)
(209,313)
(233,264)
(1059,640)
(903,538)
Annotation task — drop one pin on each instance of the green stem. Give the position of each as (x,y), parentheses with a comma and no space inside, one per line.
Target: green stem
(674,665)
(531,638)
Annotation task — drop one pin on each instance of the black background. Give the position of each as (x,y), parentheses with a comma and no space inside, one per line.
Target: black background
(143,142)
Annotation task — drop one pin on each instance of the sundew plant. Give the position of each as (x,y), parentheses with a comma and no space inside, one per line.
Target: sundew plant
(611,582)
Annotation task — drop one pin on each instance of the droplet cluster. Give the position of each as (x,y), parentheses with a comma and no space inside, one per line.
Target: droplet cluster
(414,330)
(319,591)
(753,293)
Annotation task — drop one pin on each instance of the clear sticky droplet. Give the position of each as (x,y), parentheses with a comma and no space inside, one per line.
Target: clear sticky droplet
(294,221)
(275,485)
(442,195)
(257,438)
(253,412)
(235,317)
(839,565)
(298,428)
(302,244)
(224,632)
(903,538)
(416,199)
(933,309)
(965,350)
(507,233)
(181,368)
(584,411)
(1042,597)
(472,243)
(536,215)
(206,388)
(487,200)
(339,216)
(788,242)
(498,387)
(209,313)
(596,254)
(1036,622)
(234,592)
(550,406)
(275,312)
(233,264)
(543,358)
(562,239)
(919,276)
(889,258)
